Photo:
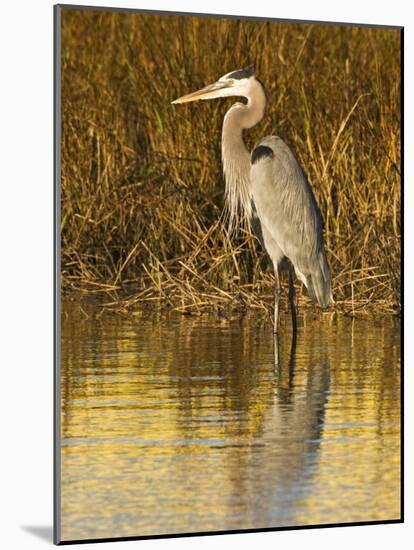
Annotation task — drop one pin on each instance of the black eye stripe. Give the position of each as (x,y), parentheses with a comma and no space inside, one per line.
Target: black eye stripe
(242,73)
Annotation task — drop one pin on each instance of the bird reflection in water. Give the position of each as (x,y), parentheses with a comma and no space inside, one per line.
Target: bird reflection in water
(278,474)
(196,425)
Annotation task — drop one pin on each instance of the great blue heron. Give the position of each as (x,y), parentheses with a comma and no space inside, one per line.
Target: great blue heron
(269,190)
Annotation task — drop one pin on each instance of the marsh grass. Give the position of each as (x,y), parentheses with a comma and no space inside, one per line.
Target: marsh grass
(141,181)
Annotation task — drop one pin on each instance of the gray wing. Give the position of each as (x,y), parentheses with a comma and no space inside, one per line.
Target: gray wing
(289,216)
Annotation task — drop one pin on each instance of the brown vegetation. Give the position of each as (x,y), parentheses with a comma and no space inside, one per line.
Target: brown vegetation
(141,181)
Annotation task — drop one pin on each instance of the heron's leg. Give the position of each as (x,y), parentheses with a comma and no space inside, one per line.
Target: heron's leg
(292,301)
(276,352)
(277,295)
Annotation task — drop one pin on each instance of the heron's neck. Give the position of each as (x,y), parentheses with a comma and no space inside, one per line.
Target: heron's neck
(236,158)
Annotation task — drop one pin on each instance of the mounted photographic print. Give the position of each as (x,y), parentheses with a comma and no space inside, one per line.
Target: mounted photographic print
(228,274)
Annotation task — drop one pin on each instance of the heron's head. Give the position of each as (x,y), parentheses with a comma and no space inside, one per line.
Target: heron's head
(237,83)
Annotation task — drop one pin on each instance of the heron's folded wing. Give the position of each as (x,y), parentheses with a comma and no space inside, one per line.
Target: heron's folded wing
(287,208)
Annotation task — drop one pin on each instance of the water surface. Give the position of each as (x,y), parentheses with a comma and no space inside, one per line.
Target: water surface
(173,425)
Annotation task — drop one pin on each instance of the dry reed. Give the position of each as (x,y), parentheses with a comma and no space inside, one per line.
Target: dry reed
(142,188)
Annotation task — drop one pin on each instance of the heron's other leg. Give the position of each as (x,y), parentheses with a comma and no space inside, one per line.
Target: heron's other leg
(277,295)
(292,301)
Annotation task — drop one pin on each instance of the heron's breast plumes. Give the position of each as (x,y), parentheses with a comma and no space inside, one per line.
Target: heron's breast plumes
(236,168)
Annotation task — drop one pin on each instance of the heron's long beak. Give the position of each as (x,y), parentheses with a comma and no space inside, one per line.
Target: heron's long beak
(209,92)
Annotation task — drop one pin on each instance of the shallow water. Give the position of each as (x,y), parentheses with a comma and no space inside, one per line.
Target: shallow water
(193,424)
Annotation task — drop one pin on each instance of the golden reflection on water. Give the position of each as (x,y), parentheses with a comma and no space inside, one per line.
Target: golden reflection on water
(183,425)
